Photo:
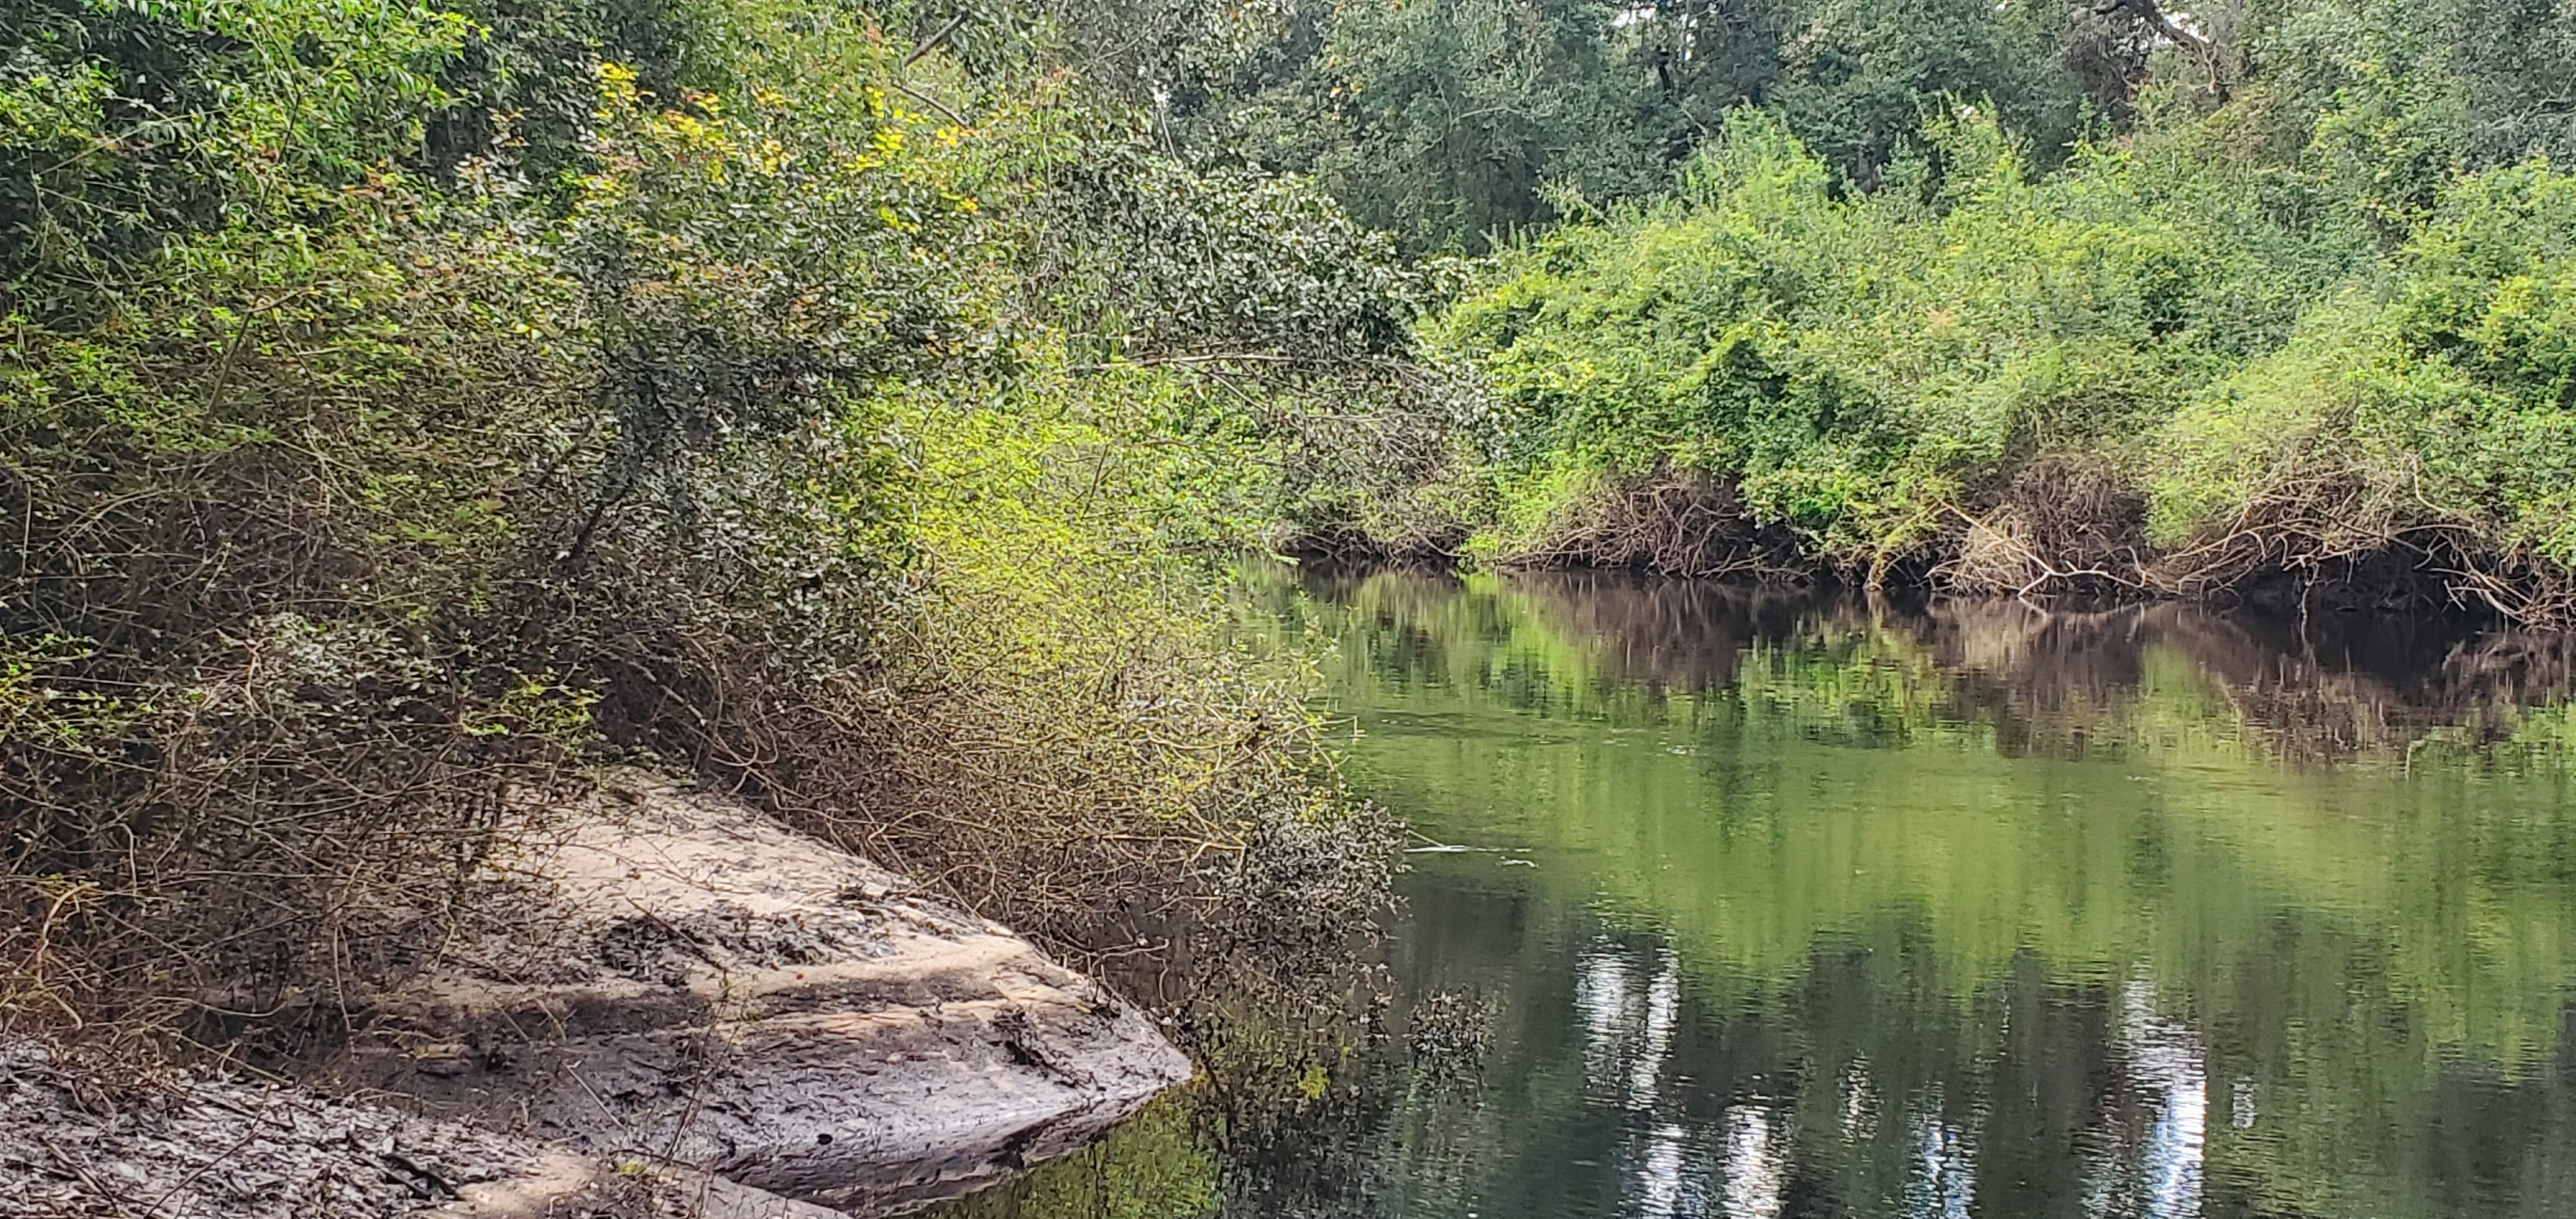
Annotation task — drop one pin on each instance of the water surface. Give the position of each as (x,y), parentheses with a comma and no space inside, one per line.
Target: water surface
(1761,904)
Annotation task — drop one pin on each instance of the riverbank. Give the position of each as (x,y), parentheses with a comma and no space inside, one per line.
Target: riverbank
(2186,362)
(654,999)
(1995,559)
(2053,533)
(452,398)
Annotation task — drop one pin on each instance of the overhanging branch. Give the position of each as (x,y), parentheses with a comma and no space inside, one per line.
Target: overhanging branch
(2156,19)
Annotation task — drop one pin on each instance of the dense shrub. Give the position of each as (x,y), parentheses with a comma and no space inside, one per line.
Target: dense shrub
(2174,365)
(2429,411)
(1865,371)
(403,405)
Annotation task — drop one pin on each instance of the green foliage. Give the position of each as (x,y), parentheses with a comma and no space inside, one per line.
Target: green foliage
(1861,366)
(1456,122)
(1152,262)
(402,403)
(2317,325)
(2442,402)
(1860,79)
(132,125)
(2397,97)
(1456,112)
(524,85)
(2482,386)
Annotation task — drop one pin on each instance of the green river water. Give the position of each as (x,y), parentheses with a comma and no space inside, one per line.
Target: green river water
(1764,904)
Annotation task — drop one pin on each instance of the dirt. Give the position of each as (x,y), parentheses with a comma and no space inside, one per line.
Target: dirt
(183,1145)
(673,974)
(663,1005)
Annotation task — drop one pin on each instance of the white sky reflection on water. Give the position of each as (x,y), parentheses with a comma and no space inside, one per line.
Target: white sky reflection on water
(2165,1062)
(1943,1177)
(1860,1102)
(1601,996)
(1755,1164)
(1628,1029)
(1663,1011)
(1666,1188)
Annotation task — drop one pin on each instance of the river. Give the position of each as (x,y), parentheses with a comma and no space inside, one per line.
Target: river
(1763,903)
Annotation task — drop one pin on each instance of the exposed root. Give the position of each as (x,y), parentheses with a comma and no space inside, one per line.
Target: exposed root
(1674,523)
(2299,528)
(2064,526)
(2070,525)
(2350,542)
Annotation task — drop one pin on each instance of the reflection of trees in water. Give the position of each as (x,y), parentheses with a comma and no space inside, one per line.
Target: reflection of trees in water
(2339,689)
(2055,682)
(1842,1096)
(1680,635)
(1534,1058)
(1610,1080)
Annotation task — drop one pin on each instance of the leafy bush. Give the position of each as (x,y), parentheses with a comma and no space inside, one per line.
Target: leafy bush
(256,515)
(2179,364)
(2432,412)
(1864,371)
(398,413)
(1062,732)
